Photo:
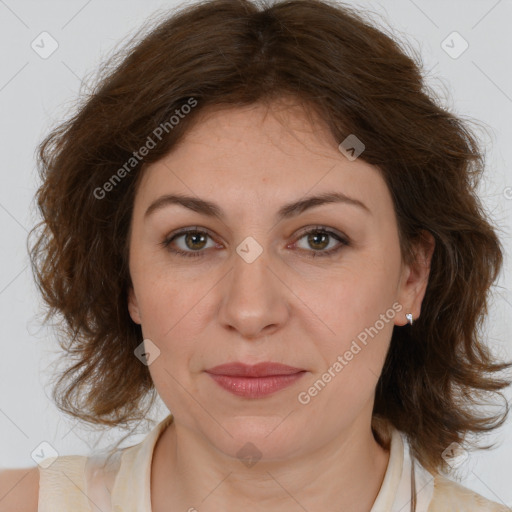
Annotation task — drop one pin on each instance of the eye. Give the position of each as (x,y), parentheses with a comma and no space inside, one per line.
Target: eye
(319,238)
(194,240)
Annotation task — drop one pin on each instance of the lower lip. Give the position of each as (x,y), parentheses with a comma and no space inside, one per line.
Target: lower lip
(255,387)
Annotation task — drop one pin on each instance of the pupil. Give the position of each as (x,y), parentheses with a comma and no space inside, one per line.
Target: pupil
(313,236)
(193,237)
(201,238)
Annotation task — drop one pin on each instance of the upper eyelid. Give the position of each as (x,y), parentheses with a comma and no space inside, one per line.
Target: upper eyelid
(341,238)
(302,232)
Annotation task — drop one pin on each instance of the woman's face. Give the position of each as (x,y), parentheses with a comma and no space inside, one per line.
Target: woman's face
(253,287)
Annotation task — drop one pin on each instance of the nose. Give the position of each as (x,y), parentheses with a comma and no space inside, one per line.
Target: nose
(255,298)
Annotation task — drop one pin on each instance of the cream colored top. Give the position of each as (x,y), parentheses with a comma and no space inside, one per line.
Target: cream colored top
(76,483)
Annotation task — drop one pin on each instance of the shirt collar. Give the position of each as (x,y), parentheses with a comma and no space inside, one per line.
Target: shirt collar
(132,488)
(395,494)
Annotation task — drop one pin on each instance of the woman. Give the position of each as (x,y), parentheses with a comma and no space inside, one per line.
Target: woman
(262,217)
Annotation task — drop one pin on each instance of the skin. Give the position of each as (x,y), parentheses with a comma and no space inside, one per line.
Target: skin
(284,307)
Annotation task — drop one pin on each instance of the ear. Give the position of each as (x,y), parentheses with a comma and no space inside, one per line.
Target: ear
(414,278)
(133,306)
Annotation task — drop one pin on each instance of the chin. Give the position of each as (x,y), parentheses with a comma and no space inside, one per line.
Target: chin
(258,437)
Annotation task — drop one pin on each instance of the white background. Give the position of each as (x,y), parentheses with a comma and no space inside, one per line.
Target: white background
(36,93)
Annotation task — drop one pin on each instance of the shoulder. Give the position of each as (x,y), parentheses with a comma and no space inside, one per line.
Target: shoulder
(19,489)
(62,484)
(450,495)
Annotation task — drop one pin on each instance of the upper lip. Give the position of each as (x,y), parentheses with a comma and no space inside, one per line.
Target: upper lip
(258,370)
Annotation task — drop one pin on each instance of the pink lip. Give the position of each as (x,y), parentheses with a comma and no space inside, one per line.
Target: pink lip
(254,381)
(257,370)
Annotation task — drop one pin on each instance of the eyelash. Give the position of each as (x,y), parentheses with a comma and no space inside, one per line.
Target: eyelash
(316,229)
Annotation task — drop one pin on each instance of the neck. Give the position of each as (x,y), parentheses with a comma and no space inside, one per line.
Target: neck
(343,474)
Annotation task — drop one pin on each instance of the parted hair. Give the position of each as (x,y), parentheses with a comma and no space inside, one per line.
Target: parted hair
(336,63)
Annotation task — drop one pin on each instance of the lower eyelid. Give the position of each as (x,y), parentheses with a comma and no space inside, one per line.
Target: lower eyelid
(342,242)
(331,235)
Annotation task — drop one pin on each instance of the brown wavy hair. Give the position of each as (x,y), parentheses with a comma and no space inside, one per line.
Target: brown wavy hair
(333,61)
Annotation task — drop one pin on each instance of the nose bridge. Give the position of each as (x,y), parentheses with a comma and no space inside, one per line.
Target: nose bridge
(254,299)
(250,275)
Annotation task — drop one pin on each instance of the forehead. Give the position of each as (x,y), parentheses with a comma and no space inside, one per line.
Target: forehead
(261,155)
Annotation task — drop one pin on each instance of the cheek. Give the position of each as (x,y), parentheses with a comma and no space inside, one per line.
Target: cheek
(352,365)
(173,318)
(355,308)
(168,320)
(166,302)
(351,298)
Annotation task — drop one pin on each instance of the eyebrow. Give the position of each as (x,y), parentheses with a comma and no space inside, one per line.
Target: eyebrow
(285,212)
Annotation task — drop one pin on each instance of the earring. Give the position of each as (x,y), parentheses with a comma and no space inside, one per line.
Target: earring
(409,318)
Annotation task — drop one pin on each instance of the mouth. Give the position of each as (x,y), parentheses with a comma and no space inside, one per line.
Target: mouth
(254,381)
